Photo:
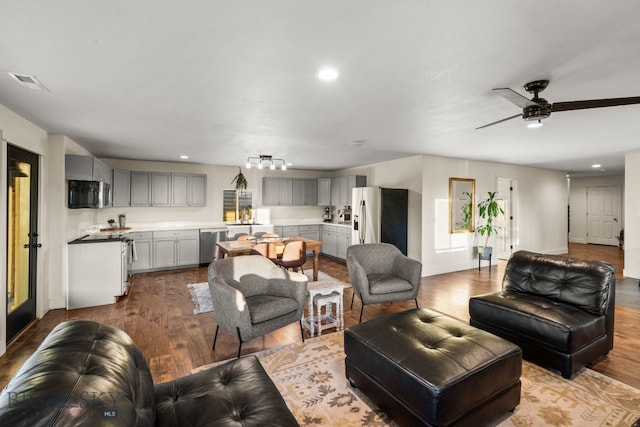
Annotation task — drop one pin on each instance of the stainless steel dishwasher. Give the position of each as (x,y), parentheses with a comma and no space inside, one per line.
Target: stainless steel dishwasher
(208,239)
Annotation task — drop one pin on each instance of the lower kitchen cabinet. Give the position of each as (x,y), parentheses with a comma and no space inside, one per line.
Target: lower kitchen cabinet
(176,248)
(290,231)
(143,242)
(309,232)
(336,240)
(329,241)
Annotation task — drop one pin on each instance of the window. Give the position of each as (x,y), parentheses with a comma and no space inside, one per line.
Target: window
(234,203)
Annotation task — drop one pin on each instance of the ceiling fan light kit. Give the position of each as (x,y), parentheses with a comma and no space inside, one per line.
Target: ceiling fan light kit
(264,160)
(537,109)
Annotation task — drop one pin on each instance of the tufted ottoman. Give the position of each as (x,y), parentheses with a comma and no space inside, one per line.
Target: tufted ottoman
(424,368)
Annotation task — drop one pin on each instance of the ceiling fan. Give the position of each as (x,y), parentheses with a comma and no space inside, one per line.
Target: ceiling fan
(537,109)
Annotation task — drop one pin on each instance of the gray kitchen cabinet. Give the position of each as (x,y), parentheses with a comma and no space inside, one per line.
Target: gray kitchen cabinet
(305,192)
(277,191)
(198,190)
(121,188)
(277,229)
(329,241)
(286,191)
(86,168)
(310,192)
(150,188)
(324,191)
(188,189)
(160,189)
(164,252)
(341,189)
(343,241)
(140,188)
(143,242)
(336,239)
(270,191)
(176,248)
(309,231)
(290,231)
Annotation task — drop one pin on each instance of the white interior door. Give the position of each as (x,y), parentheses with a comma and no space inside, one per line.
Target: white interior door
(506,238)
(603,214)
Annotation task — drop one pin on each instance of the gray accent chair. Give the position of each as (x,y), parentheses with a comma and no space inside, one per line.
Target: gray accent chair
(252,296)
(380,273)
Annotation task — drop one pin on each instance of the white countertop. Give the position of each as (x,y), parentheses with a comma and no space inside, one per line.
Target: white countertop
(193,225)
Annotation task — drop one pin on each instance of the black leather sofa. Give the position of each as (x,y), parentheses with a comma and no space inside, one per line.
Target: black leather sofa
(88,374)
(558,310)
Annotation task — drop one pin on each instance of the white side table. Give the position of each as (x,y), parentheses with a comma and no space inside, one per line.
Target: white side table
(330,319)
(322,288)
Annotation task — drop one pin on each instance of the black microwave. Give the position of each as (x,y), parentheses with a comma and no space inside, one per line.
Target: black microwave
(89,194)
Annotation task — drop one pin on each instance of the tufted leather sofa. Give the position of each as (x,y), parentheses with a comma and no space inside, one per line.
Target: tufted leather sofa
(559,310)
(88,374)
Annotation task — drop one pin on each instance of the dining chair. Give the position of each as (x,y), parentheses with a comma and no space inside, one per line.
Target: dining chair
(245,237)
(266,250)
(294,255)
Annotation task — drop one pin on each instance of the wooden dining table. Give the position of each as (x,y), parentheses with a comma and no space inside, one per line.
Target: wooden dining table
(231,248)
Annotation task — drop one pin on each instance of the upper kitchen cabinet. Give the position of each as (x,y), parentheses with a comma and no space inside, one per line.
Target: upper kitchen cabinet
(289,192)
(188,189)
(324,191)
(86,168)
(121,187)
(150,189)
(277,191)
(305,192)
(341,188)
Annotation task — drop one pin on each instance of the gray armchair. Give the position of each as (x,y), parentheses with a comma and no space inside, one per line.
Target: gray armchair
(379,273)
(252,296)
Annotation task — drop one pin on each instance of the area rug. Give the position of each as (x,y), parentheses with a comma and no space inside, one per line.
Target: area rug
(310,376)
(201,297)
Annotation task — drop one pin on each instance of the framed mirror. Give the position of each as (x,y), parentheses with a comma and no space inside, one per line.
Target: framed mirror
(462,200)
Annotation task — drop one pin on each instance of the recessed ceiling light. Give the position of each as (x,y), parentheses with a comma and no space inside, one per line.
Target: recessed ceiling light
(596,166)
(327,74)
(184,156)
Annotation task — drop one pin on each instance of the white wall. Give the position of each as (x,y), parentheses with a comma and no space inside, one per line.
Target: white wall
(403,173)
(632,216)
(541,210)
(17,131)
(578,203)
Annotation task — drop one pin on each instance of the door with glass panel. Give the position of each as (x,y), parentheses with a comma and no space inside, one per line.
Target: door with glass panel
(22,238)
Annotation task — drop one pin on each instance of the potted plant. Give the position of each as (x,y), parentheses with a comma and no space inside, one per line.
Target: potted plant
(466,211)
(240,181)
(488,210)
(620,238)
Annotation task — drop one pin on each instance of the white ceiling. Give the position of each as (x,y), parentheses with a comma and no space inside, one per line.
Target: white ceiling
(223,80)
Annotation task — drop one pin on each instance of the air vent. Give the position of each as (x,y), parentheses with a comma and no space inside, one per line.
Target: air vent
(29,81)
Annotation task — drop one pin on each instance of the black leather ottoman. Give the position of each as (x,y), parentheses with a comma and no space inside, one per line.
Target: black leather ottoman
(424,368)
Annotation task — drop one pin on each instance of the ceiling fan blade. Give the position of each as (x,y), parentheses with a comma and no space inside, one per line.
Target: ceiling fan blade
(500,121)
(594,103)
(513,96)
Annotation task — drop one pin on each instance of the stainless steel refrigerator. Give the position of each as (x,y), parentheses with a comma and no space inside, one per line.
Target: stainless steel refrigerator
(380,215)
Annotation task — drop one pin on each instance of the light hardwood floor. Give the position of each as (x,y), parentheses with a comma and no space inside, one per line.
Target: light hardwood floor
(158,314)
